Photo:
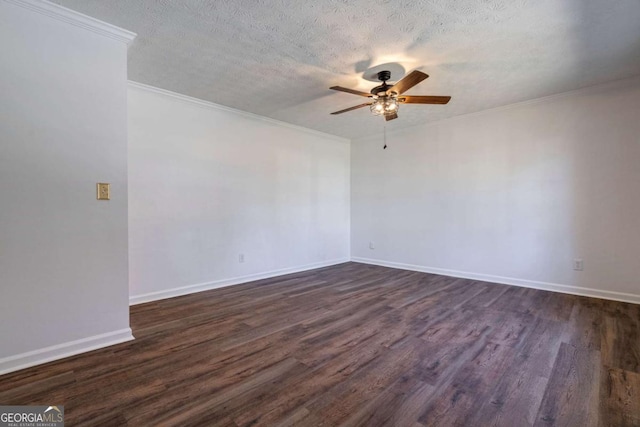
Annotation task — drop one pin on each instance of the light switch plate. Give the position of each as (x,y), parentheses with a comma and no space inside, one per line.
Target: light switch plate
(103,191)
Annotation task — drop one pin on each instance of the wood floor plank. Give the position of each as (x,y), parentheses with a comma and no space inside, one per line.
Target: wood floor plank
(491,293)
(541,346)
(411,405)
(515,399)
(584,327)
(332,371)
(356,345)
(205,399)
(620,398)
(620,343)
(382,409)
(572,394)
(343,399)
(471,386)
(302,417)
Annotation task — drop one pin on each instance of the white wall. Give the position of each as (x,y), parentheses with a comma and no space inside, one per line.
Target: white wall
(207,184)
(63,254)
(511,195)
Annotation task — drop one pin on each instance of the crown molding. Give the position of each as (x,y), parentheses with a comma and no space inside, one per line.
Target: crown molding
(77,19)
(213,106)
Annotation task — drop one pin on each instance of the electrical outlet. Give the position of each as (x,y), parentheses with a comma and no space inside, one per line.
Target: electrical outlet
(241,258)
(371,245)
(103,191)
(578,264)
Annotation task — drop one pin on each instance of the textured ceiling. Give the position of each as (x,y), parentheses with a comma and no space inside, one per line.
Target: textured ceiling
(277,58)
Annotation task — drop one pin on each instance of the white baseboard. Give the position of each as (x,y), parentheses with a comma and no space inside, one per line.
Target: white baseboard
(565,289)
(190,289)
(60,351)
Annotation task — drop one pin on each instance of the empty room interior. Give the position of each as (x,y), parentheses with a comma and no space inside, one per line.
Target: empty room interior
(329,213)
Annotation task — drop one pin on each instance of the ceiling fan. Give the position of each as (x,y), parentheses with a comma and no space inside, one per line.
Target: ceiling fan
(385,99)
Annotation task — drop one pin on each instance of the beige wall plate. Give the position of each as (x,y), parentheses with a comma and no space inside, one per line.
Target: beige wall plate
(103,190)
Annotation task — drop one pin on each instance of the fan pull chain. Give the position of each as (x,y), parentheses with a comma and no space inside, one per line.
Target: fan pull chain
(385,137)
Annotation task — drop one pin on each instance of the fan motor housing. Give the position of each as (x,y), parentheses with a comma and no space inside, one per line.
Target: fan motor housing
(380,90)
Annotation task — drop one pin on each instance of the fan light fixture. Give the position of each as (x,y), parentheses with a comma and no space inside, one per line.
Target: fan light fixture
(384,105)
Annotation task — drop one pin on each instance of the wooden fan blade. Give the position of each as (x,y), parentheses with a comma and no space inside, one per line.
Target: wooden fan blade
(406,99)
(353,91)
(406,83)
(352,108)
(388,117)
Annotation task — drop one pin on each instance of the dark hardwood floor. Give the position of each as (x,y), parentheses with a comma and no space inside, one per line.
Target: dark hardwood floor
(356,345)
